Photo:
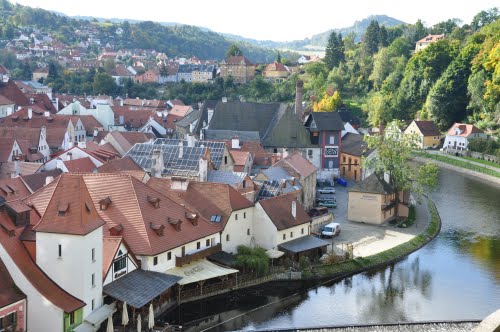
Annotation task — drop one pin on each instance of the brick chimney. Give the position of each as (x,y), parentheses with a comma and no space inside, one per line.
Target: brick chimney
(299,87)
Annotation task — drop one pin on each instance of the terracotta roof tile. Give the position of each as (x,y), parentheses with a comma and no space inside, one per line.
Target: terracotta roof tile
(127,139)
(110,246)
(9,292)
(279,210)
(295,163)
(236,60)
(13,189)
(6,145)
(431,38)
(180,110)
(465,130)
(206,198)
(12,92)
(70,209)
(36,181)
(118,165)
(81,165)
(240,157)
(40,281)
(427,128)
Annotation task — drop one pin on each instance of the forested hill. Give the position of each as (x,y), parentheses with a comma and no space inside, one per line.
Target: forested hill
(180,40)
(357,30)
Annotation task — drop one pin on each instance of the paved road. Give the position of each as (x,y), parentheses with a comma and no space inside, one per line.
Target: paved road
(371,239)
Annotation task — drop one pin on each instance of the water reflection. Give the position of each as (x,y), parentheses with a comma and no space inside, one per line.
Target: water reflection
(386,298)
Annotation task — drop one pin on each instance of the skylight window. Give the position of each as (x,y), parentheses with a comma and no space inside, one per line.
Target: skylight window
(216,218)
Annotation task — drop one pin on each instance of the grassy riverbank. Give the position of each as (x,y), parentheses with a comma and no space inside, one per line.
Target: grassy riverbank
(386,257)
(458,163)
(482,161)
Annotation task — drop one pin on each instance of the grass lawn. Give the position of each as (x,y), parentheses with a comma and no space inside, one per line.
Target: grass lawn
(458,163)
(481,161)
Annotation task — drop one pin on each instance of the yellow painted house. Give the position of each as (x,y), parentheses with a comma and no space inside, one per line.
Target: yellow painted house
(427,133)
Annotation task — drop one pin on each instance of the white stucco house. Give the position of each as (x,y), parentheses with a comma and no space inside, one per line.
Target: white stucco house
(458,136)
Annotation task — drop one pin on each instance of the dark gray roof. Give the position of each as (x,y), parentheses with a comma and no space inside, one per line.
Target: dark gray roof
(326,120)
(226,177)
(354,144)
(348,116)
(286,130)
(374,184)
(244,136)
(139,287)
(216,148)
(235,115)
(303,243)
(276,173)
(207,104)
(189,118)
(223,258)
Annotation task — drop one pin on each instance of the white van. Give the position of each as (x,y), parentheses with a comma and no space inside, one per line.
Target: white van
(332,229)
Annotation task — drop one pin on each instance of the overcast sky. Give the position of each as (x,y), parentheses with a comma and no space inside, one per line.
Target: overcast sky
(267,19)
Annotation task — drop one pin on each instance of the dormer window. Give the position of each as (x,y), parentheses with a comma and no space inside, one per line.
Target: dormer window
(176,223)
(192,217)
(104,203)
(155,201)
(62,209)
(158,228)
(116,230)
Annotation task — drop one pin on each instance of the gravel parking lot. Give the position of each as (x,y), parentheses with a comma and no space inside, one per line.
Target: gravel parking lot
(371,239)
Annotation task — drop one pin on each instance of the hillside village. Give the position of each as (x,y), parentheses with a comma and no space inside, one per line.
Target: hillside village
(115,201)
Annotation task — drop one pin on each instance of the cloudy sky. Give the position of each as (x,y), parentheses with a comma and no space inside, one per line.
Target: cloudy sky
(265,19)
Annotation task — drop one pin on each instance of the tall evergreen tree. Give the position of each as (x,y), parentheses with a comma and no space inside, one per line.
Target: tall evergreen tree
(334,54)
(371,38)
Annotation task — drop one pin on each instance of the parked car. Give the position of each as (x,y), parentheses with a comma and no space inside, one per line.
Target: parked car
(326,190)
(328,204)
(330,230)
(318,211)
(342,182)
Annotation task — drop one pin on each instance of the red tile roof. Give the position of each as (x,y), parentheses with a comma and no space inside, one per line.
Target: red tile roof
(13,189)
(40,281)
(118,165)
(206,198)
(180,110)
(240,157)
(37,181)
(145,102)
(12,92)
(70,209)
(9,292)
(279,210)
(43,101)
(236,60)
(120,70)
(6,145)
(81,165)
(131,208)
(431,38)
(110,246)
(135,119)
(296,164)
(465,130)
(427,128)
(127,139)
(276,66)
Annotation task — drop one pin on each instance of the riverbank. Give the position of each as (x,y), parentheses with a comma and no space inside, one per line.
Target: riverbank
(383,252)
(461,166)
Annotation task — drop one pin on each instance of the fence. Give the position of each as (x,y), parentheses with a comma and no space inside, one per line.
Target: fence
(476,155)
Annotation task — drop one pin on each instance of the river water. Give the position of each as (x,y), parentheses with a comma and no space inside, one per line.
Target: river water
(454,277)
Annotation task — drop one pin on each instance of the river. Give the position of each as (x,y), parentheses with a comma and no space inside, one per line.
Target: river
(454,277)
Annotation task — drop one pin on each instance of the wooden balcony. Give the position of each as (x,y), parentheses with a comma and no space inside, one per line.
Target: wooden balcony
(180,261)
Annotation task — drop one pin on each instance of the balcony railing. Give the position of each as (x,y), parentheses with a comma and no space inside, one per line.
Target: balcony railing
(180,261)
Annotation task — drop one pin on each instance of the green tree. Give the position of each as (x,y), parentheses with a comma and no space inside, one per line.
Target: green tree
(447,101)
(394,152)
(334,53)
(278,58)
(252,259)
(445,27)
(104,84)
(422,71)
(485,17)
(371,39)
(233,51)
